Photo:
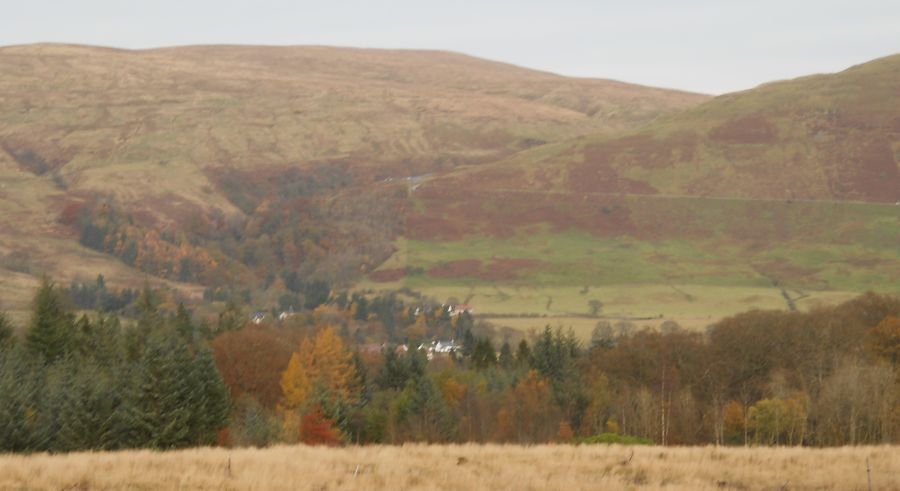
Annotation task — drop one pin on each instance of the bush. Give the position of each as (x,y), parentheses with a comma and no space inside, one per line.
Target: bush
(612,438)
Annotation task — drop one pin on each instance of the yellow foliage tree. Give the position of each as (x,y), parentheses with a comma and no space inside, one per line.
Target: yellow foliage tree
(323,362)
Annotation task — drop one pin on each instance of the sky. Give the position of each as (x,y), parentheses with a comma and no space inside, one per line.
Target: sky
(710,46)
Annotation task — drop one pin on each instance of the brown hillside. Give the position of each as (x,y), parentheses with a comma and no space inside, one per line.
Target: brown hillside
(824,137)
(214,164)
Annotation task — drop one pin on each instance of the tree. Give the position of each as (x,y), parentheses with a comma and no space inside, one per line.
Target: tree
(484,356)
(778,421)
(88,408)
(425,411)
(176,398)
(398,369)
(323,361)
(251,361)
(211,405)
(523,354)
(506,359)
(50,331)
(528,414)
(318,429)
(885,340)
(20,387)
(603,335)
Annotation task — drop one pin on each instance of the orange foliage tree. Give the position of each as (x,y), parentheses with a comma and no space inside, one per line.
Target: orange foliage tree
(528,413)
(251,361)
(317,429)
(323,362)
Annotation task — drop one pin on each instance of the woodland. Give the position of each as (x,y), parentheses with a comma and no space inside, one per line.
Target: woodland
(356,369)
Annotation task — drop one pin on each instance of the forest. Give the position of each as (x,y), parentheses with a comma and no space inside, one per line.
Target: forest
(357,369)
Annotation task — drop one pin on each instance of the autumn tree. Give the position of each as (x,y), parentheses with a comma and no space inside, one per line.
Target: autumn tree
(885,340)
(528,413)
(321,371)
(779,421)
(251,361)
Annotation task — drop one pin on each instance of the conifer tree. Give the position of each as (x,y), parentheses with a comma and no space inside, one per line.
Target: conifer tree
(523,354)
(183,324)
(210,403)
(429,417)
(19,387)
(484,355)
(159,412)
(50,331)
(88,406)
(505,360)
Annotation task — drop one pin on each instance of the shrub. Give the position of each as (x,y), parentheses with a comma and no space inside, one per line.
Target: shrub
(612,438)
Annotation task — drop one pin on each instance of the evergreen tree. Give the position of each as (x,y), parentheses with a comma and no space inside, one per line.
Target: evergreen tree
(231,318)
(183,324)
(87,408)
(210,405)
(149,321)
(484,356)
(506,360)
(397,370)
(468,343)
(159,412)
(50,331)
(523,354)
(19,388)
(429,418)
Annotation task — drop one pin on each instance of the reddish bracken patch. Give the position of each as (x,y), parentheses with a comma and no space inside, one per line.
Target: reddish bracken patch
(456,269)
(507,268)
(876,177)
(387,275)
(749,129)
(600,177)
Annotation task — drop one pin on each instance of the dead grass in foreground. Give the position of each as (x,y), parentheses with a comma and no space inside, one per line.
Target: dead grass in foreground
(460,467)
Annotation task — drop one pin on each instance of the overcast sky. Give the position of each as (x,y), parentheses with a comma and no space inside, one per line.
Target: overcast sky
(711,46)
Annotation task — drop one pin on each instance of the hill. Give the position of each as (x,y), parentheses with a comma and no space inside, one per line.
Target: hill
(214,165)
(823,137)
(781,196)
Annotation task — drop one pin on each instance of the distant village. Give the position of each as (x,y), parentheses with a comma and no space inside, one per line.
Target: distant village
(435,347)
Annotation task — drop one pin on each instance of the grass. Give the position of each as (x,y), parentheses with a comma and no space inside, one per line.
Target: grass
(690,260)
(144,126)
(427,467)
(644,305)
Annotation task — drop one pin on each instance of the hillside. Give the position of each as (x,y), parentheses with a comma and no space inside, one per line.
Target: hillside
(214,165)
(778,197)
(823,137)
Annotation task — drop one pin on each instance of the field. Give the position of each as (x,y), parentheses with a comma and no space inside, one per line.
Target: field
(461,467)
(683,259)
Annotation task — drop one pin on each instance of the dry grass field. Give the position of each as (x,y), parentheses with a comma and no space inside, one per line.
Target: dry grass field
(461,467)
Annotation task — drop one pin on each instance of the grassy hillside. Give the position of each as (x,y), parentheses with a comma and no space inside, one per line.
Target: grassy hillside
(461,466)
(823,137)
(220,164)
(778,197)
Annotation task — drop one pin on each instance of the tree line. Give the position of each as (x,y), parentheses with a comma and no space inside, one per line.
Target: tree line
(825,377)
(358,369)
(88,383)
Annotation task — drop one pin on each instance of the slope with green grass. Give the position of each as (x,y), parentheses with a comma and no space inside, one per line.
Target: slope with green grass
(218,165)
(779,197)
